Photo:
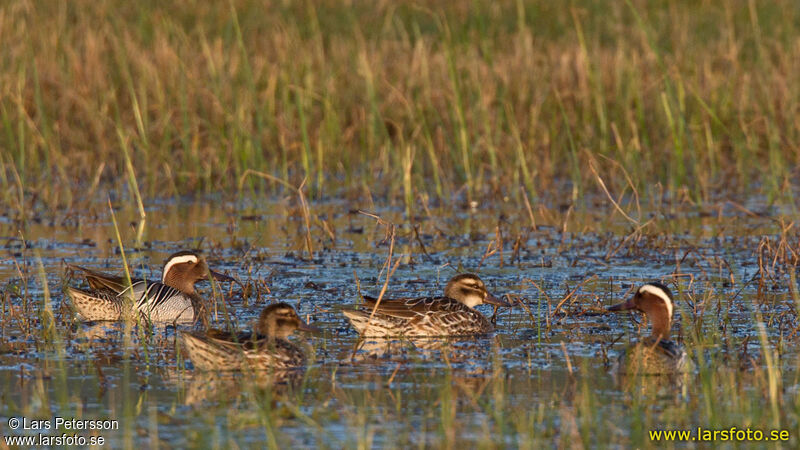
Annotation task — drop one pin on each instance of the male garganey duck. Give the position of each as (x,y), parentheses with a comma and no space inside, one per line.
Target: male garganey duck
(451,315)
(265,348)
(174,299)
(655,354)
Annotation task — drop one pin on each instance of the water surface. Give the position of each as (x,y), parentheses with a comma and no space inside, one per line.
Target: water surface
(541,378)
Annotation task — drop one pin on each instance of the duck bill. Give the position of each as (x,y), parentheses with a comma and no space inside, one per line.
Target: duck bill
(624,306)
(308,328)
(492,300)
(222,277)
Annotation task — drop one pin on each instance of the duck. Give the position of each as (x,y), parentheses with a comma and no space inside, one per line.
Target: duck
(450,315)
(265,348)
(656,354)
(173,299)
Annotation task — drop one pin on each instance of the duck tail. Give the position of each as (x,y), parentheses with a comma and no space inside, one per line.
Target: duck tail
(204,354)
(360,320)
(93,306)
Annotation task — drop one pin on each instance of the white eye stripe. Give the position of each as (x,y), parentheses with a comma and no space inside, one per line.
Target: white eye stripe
(658,292)
(177,260)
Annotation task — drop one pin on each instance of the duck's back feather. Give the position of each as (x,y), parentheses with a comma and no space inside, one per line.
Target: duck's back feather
(218,350)
(417,317)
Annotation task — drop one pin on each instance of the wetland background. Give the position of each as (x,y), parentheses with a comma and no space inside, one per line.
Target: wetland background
(566,152)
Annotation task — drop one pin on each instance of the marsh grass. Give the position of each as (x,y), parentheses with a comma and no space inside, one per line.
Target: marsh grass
(652,108)
(178,100)
(546,387)
(499,404)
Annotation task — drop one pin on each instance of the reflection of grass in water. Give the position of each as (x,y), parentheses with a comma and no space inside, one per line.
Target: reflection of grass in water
(494,96)
(531,405)
(442,408)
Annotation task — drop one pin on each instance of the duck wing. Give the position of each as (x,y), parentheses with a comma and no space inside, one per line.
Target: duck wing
(414,308)
(103,281)
(260,350)
(242,339)
(670,349)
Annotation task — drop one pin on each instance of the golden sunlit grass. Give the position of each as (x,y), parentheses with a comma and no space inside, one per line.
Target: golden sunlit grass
(470,98)
(541,102)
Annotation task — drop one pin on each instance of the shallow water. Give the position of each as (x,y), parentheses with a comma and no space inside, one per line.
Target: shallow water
(541,378)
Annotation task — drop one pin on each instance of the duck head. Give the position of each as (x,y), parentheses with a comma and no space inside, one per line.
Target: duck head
(468,289)
(654,299)
(280,320)
(183,269)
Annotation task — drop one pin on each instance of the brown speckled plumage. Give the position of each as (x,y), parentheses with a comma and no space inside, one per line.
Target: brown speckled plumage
(264,349)
(450,315)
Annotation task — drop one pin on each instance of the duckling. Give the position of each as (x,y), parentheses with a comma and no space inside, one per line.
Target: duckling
(656,354)
(450,315)
(264,349)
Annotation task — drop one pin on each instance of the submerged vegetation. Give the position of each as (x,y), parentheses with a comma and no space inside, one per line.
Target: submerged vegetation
(400,99)
(541,378)
(595,145)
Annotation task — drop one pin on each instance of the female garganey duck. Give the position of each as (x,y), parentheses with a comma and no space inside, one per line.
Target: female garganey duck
(174,299)
(655,354)
(451,315)
(265,348)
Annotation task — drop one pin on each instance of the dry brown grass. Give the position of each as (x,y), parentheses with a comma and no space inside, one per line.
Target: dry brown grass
(489,96)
